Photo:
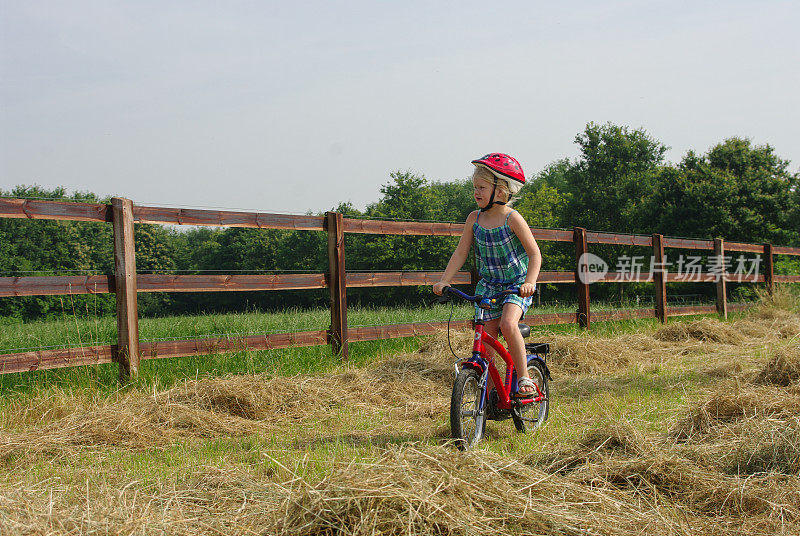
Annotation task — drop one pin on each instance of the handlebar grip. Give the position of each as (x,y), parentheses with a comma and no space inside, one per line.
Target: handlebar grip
(445,297)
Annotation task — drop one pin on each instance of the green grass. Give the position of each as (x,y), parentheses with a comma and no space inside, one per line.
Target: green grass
(76,331)
(85,330)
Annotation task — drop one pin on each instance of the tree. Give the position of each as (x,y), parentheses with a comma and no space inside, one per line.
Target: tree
(612,177)
(39,247)
(543,205)
(737,191)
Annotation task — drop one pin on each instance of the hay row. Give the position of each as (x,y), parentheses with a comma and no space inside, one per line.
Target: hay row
(729,464)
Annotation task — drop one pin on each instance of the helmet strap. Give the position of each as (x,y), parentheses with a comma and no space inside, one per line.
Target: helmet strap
(491,200)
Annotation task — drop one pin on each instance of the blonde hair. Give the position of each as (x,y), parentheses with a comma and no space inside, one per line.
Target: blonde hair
(504,185)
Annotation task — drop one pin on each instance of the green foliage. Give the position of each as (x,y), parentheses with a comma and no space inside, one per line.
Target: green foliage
(735,191)
(42,247)
(619,182)
(407,197)
(543,206)
(612,177)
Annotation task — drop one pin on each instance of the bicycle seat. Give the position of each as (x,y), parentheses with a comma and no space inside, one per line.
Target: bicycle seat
(537,348)
(525,329)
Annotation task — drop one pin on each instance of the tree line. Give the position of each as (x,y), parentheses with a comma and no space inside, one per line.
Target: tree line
(620,182)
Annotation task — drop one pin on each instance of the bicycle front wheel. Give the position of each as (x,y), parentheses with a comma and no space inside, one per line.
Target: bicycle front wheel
(467,419)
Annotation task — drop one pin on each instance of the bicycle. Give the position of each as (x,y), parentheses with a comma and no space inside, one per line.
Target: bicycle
(471,405)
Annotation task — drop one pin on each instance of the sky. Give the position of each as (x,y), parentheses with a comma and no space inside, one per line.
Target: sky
(299,106)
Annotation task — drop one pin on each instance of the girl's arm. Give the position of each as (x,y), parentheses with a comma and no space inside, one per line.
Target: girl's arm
(459,256)
(523,232)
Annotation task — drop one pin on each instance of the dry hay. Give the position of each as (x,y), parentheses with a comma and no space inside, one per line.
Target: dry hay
(429,367)
(439,344)
(204,500)
(414,489)
(665,476)
(585,353)
(728,466)
(620,439)
(785,299)
(235,405)
(732,403)
(750,447)
(783,327)
(423,490)
(775,316)
(133,421)
(621,457)
(745,430)
(704,330)
(591,354)
(394,383)
(782,370)
(741,475)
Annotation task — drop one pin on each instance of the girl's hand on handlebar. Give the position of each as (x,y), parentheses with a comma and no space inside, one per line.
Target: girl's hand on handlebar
(527,289)
(439,287)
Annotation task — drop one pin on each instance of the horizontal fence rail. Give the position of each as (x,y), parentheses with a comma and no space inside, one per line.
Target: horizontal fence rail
(337,280)
(54,210)
(103,284)
(222,218)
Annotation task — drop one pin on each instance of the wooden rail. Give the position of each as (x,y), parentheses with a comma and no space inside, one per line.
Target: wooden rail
(224,218)
(122,214)
(54,210)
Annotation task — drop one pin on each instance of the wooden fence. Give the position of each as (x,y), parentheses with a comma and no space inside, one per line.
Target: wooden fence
(122,214)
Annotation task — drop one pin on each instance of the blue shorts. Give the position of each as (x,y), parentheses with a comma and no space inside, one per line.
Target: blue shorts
(485,289)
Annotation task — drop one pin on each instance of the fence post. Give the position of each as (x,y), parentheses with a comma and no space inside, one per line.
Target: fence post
(337,282)
(579,237)
(125,283)
(722,300)
(660,278)
(769,273)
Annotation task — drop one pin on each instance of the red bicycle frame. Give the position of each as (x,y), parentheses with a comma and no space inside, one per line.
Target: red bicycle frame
(504,388)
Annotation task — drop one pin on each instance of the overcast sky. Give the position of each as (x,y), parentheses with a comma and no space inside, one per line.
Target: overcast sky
(296,106)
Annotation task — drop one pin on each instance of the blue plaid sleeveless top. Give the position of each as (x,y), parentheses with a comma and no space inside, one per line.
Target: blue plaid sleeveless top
(502,264)
(502,261)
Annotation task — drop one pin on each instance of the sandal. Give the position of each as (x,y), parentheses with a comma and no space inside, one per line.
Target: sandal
(525,382)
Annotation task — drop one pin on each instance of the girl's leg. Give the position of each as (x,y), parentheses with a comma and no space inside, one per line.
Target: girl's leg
(509,325)
(491,327)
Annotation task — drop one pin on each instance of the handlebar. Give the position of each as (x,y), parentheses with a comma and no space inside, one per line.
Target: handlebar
(484,302)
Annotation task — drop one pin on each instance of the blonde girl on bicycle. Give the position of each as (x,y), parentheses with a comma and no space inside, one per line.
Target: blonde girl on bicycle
(508,256)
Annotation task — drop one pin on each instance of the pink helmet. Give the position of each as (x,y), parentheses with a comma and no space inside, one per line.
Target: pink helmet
(502,166)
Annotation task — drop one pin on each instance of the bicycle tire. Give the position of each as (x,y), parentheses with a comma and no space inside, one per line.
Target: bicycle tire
(534,413)
(467,421)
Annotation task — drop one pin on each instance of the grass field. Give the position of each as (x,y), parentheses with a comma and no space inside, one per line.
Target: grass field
(688,428)
(76,330)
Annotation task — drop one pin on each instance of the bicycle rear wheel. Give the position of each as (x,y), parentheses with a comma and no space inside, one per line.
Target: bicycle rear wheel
(535,413)
(467,419)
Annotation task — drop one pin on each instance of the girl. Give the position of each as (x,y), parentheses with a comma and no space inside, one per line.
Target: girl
(508,256)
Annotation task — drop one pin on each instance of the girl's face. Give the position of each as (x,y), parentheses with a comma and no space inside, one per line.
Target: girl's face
(482,191)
